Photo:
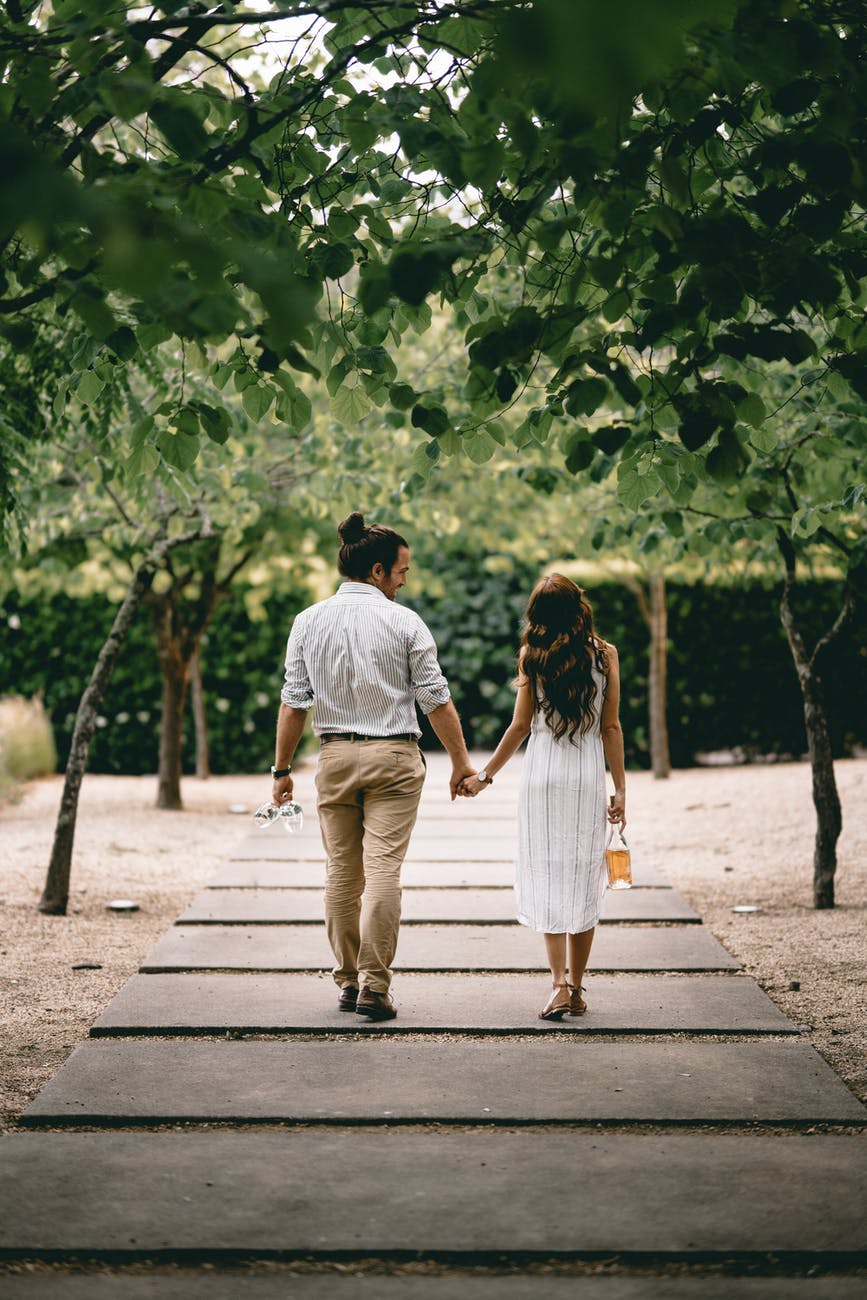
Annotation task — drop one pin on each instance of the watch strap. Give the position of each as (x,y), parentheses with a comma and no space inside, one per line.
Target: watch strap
(277,772)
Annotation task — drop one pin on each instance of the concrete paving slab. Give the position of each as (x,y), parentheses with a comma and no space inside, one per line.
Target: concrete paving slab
(309,873)
(434,947)
(132,1081)
(274,845)
(184,1284)
(486,1004)
(222,1194)
(430,848)
(481,907)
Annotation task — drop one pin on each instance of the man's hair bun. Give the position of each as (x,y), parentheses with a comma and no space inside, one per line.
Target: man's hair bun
(352,529)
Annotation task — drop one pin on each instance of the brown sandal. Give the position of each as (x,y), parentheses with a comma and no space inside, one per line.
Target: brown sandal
(558,1003)
(577,1005)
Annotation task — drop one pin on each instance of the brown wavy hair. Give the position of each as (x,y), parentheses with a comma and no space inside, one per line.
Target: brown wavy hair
(559,649)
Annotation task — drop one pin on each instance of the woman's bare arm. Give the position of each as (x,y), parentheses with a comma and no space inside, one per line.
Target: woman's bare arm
(513,737)
(612,738)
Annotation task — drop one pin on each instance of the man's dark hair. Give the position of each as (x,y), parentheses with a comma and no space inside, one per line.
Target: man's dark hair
(362,547)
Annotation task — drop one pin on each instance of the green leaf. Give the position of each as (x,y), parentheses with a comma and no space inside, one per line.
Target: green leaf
(751,410)
(616,306)
(125,95)
(432,419)
(178,449)
(402,396)
(140,431)
(611,438)
(374,288)
(181,127)
(764,440)
(257,400)
(479,446)
(806,523)
(728,460)
(216,421)
(580,456)
(349,405)
(95,313)
(123,343)
(633,489)
(142,460)
(585,396)
(337,261)
(89,387)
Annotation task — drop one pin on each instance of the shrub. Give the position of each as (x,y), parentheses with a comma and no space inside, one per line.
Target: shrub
(27,746)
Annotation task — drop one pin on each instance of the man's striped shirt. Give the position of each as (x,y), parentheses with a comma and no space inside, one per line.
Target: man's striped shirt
(365,662)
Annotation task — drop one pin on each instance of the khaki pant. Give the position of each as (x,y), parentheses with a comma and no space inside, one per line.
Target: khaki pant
(368,794)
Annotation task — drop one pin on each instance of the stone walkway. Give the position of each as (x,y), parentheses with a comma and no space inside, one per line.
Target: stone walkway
(683,1123)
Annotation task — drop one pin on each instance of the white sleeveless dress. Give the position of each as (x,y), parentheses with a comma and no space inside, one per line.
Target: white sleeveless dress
(561,878)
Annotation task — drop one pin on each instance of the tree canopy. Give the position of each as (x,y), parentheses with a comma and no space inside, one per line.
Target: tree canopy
(626,211)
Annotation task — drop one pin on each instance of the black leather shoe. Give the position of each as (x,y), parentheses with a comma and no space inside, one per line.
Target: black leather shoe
(348,997)
(376,1006)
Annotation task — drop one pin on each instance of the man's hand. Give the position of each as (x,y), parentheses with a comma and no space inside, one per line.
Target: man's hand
(281,790)
(459,775)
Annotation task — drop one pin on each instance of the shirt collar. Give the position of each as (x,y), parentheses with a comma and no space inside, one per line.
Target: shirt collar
(360,589)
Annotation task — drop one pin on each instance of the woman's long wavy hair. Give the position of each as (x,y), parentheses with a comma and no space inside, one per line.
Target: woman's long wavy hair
(559,650)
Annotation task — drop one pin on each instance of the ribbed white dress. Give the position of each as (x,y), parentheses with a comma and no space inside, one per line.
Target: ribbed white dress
(561,878)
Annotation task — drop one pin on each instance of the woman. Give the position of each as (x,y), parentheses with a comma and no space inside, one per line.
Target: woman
(568,697)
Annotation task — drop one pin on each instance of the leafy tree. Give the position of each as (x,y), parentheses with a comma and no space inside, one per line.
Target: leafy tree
(160,185)
(794,501)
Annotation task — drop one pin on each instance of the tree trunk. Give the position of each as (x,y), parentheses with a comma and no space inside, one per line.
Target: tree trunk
(55,895)
(175,674)
(660,754)
(200,718)
(655,614)
(826,800)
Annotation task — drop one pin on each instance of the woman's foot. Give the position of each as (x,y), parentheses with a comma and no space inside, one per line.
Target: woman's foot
(558,1003)
(577,1005)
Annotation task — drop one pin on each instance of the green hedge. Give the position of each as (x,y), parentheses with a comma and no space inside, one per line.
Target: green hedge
(52,646)
(731,683)
(731,679)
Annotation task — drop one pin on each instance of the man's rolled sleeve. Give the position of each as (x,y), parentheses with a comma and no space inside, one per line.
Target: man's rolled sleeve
(428,682)
(297,693)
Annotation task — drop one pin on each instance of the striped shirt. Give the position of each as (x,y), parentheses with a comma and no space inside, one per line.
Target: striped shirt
(365,662)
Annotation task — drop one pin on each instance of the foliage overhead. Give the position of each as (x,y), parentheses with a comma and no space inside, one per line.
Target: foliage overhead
(625,215)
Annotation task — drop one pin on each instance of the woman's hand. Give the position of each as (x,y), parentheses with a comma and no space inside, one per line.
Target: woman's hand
(617,808)
(470,786)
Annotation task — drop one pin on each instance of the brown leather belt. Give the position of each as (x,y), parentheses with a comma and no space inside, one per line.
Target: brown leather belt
(355,735)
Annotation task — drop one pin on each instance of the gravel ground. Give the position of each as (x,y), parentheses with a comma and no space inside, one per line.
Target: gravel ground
(723,836)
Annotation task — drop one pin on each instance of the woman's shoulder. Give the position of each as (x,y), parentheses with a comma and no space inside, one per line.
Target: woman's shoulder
(608,649)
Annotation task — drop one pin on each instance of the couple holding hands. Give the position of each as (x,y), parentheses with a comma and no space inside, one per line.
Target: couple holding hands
(366,662)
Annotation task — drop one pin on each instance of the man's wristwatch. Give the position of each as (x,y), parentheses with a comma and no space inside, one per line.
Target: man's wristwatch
(484,778)
(277,772)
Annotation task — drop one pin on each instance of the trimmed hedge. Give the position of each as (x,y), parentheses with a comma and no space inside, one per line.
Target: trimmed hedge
(731,679)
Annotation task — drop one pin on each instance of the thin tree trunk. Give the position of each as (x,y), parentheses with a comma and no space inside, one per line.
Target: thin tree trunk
(55,895)
(655,614)
(175,675)
(660,755)
(826,800)
(200,717)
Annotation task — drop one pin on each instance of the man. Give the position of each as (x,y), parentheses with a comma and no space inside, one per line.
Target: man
(366,662)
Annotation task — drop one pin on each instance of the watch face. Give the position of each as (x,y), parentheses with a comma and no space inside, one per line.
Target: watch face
(482,776)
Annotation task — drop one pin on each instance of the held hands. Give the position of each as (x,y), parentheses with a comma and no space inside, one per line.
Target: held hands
(458,777)
(470,787)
